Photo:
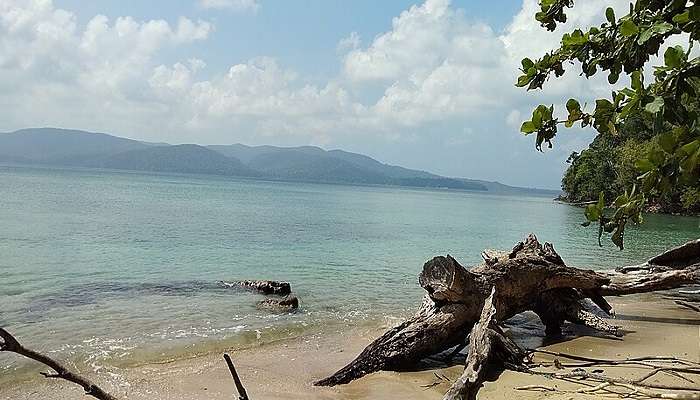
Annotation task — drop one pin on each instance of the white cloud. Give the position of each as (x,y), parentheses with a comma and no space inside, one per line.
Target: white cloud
(235,5)
(435,72)
(436,63)
(351,42)
(54,72)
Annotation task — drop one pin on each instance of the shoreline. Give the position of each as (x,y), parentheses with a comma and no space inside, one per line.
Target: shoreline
(285,369)
(653,209)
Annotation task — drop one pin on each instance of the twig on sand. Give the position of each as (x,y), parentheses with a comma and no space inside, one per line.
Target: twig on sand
(10,344)
(541,388)
(590,361)
(688,305)
(615,381)
(608,388)
(596,382)
(242,395)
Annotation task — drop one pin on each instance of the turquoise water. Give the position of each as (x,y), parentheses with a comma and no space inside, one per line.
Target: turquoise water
(106,269)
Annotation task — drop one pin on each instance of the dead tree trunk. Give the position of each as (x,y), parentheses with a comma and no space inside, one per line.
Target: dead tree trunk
(530,277)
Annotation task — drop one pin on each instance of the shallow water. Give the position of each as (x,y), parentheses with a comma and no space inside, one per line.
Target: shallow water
(110,269)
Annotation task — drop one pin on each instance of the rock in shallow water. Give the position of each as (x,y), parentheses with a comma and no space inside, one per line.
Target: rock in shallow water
(287,303)
(266,287)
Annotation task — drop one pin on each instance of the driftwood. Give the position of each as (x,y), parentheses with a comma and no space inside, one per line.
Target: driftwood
(488,347)
(688,305)
(10,344)
(531,277)
(242,394)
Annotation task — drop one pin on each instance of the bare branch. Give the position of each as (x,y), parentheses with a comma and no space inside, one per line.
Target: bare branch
(242,395)
(12,345)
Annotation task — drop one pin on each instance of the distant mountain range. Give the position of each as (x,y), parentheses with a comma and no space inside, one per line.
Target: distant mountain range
(72,148)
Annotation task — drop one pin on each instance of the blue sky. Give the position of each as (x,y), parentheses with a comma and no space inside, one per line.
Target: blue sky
(302,35)
(422,84)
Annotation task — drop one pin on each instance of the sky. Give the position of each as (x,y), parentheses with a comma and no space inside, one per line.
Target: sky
(427,85)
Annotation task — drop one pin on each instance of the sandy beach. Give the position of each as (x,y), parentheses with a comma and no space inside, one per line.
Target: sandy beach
(653,323)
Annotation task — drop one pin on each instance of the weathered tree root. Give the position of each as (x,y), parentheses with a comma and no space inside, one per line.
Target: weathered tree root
(10,344)
(488,348)
(530,277)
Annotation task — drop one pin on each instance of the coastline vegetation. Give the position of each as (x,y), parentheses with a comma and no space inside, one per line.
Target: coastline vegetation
(666,165)
(608,166)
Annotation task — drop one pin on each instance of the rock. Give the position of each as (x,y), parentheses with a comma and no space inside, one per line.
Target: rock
(265,287)
(287,303)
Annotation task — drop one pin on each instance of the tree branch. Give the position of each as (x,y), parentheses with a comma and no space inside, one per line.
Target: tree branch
(11,344)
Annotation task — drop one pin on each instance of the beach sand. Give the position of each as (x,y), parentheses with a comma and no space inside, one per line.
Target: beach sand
(654,325)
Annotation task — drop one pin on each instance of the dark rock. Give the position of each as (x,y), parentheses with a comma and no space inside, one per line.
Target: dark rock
(287,303)
(265,287)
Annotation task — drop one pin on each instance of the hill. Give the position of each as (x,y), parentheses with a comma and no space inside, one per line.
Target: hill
(72,148)
(60,146)
(183,158)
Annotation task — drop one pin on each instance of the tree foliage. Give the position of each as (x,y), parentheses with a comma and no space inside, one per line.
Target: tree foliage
(624,46)
(608,166)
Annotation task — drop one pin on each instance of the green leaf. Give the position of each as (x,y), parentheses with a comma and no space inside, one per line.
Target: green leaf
(528,127)
(592,213)
(637,80)
(645,36)
(537,118)
(629,28)
(610,15)
(523,80)
(674,57)
(603,115)
(547,112)
(691,147)
(655,106)
(662,27)
(690,163)
(682,18)
(527,64)
(601,201)
(573,105)
(668,142)
(644,165)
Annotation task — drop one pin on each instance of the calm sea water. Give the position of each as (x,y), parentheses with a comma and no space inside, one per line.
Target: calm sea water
(110,269)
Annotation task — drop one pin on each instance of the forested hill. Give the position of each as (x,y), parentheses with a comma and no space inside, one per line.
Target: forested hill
(71,148)
(608,165)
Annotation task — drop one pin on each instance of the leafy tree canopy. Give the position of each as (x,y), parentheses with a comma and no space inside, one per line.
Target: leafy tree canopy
(608,166)
(670,103)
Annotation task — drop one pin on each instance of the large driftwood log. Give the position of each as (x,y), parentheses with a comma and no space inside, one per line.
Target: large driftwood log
(530,277)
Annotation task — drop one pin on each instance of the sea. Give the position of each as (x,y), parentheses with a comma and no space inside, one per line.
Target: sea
(107,270)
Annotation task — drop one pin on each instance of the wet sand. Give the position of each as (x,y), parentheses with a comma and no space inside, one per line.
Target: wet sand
(654,325)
